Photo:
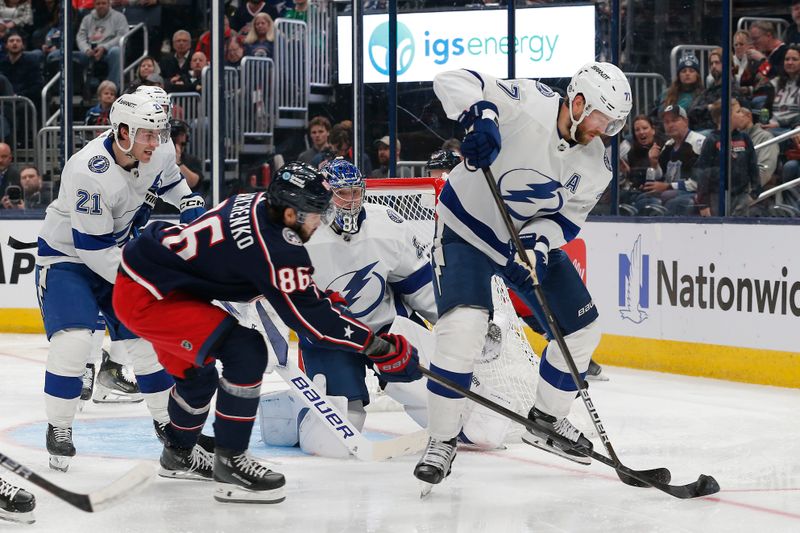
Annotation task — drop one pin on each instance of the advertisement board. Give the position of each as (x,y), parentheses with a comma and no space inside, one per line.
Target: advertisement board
(550,42)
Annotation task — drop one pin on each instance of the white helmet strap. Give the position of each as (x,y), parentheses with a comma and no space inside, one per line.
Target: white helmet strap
(575,123)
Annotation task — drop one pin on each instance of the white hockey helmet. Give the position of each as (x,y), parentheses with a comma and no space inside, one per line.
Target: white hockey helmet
(604,88)
(159,95)
(138,111)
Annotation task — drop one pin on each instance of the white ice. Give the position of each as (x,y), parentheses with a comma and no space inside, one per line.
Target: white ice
(746,436)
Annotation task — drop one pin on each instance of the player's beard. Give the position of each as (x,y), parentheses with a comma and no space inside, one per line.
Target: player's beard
(584,137)
(304,233)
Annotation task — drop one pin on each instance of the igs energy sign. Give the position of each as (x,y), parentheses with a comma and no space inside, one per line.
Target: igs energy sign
(550,43)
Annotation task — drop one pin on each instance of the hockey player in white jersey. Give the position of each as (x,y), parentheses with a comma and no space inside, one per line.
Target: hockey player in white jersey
(551,166)
(103,189)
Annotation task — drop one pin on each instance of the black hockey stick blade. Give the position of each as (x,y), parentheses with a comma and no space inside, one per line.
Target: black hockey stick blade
(20,245)
(95,501)
(704,486)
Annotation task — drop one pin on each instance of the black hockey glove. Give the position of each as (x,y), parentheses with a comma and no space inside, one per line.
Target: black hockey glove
(394,358)
(518,274)
(482,142)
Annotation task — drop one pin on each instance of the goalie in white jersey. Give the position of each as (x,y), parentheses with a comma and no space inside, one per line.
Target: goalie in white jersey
(551,167)
(100,204)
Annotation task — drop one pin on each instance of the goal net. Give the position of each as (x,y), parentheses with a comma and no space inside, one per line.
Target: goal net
(513,370)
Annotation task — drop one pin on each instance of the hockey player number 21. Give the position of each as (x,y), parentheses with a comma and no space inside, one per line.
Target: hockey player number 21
(293,279)
(188,237)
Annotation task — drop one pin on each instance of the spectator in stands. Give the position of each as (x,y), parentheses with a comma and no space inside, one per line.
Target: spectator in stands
(22,69)
(9,175)
(46,16)
(791,171)
(297,12)
(260,40)
(452,144)
(204,42)
(383,157)
(147,67)
(751,85)
(742,120)
(35,195)
(98,38)
(234,51)
(99,114)
(793,33)
(175,66)
(634,158)
(319,129)
(674,186)
(686,87)
(247,11)
(768,50)
(147,12)
(83,7)
(191,168)
(199,62)
(16,14)
(743,183)
(699,114)
(786,106)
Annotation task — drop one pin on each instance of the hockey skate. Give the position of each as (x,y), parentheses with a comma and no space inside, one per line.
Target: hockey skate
(595,372)
(555,435)
(59,446)
(242,479)
(88,382)
(435,464)
(182,463)
(113,386)
(16,504)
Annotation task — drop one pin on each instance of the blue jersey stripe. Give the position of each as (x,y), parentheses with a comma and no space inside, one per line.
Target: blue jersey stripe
(47,250)
(483,85)
(415,281)
(568,228)
(165,188)
(64,387)
(555,377)
(449,198)
(85,241)
(464,379)
(156,382)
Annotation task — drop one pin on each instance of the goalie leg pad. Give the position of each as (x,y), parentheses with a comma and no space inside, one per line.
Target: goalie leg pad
(413,397)
(460,336)
(279,414)
(556,389)
(344,371)
(66,363)
(154,382)
(483,427)
(316,437)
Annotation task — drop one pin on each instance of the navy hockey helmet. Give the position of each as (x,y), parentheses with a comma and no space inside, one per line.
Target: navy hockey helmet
(348,193)
(302,187)
(443,160)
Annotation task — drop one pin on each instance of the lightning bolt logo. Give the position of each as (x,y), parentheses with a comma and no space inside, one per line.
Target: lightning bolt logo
(357,283)
(528,192)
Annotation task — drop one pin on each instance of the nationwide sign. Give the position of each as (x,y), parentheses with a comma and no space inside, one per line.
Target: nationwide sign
(550,42)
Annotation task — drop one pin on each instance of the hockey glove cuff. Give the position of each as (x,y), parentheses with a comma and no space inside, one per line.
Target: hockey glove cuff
(482,142)
(394,358)
(192,206)
(518,273)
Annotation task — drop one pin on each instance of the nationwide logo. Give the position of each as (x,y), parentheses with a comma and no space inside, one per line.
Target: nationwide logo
(634,284)
(378,48)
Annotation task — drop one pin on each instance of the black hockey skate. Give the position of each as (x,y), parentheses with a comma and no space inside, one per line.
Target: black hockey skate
(435,464)
(16,504)
(242,479)
(548,427)
(88,382)
(595,372)
(59,446)
(182,463)
(113,386)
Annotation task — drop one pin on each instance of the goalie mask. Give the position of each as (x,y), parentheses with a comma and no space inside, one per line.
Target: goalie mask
(605,89)
(348,194)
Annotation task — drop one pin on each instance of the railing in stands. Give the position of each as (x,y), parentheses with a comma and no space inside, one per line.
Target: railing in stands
(18,123)
(123,44)
(781,25)
(48,140)
(48,120)
(257,105)
(646,87)
(233,131)
(320,42)
(292,65)
(188,108)
(701,51)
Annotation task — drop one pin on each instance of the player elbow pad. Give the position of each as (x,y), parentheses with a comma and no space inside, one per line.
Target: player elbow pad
(191,207)
(479,110)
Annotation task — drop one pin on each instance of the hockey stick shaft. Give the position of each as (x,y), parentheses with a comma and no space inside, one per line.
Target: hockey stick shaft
(136,478)
(554,327)
(704,486)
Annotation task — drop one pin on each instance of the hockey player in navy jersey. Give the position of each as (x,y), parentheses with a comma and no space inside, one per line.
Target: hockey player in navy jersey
(250,245)
(551,166)
(103,188)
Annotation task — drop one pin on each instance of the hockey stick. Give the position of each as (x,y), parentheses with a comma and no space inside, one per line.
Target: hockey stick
(660,475)
(95,501)
(345,432)
(704,486)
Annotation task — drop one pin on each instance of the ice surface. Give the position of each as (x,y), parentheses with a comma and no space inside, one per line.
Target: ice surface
(746,436)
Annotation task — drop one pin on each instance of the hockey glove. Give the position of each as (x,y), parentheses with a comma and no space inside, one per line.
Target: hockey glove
(518,273)
(394,358)
(482,142)
(142,216)
(192,206)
